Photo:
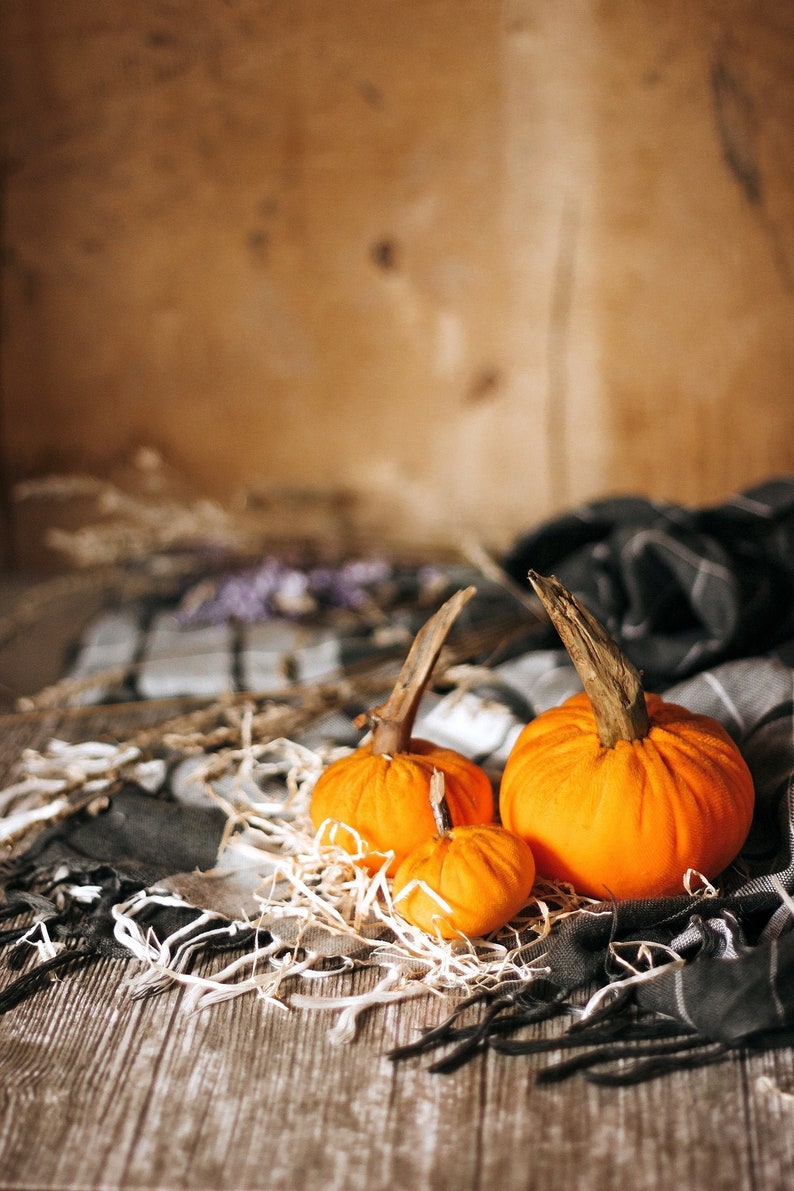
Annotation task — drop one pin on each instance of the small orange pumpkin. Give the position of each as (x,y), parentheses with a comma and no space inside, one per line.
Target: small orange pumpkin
(617,793)
(375,800)
(465,880)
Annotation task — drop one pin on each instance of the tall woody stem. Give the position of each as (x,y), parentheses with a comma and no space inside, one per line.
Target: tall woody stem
(612,683)
(392,722)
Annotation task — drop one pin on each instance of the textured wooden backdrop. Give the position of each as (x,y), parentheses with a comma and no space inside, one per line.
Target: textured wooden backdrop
(459,262)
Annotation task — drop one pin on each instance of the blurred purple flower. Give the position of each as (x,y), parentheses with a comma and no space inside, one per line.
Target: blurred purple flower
(275,589)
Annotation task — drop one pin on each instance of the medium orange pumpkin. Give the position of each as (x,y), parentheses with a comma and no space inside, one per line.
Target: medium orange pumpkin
(618,793)
(375,800)
(465,880)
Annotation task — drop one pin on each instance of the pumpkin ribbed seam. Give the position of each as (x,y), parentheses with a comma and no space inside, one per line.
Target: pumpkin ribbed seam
(698,848)
(670,793)
(469,874)
(723,773)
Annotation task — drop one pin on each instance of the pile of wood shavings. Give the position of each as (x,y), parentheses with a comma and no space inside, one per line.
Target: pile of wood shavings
(321,886)
(264,788)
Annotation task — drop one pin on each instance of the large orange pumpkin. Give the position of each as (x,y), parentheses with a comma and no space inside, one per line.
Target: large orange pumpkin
(375,801)
(618,793)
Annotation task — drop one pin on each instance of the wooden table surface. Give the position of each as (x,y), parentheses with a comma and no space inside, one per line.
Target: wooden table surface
(99,1091)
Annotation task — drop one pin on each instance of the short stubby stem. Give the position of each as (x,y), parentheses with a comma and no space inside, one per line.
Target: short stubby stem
(438,803)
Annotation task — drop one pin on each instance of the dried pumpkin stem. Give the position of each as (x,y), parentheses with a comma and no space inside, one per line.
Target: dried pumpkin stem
(612,684)
(392,723)
(438,803)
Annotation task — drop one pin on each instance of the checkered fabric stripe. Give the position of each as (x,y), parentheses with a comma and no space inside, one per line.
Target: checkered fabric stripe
(154,653)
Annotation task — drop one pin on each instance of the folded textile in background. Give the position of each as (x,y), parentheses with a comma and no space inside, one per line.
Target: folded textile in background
(679,589)
(203,862)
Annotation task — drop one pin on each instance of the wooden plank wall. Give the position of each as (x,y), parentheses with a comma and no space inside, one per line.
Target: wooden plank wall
(459,263)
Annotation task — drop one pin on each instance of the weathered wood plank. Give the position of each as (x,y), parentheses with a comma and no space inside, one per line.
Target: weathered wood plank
(99,1091)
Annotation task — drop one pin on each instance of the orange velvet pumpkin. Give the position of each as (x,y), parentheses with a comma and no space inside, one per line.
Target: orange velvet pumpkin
(465,880)
(631,819)
(376,800)
(622,812)
(384,799)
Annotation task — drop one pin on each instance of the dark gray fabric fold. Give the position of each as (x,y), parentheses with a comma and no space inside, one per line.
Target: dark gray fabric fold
(680,589)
